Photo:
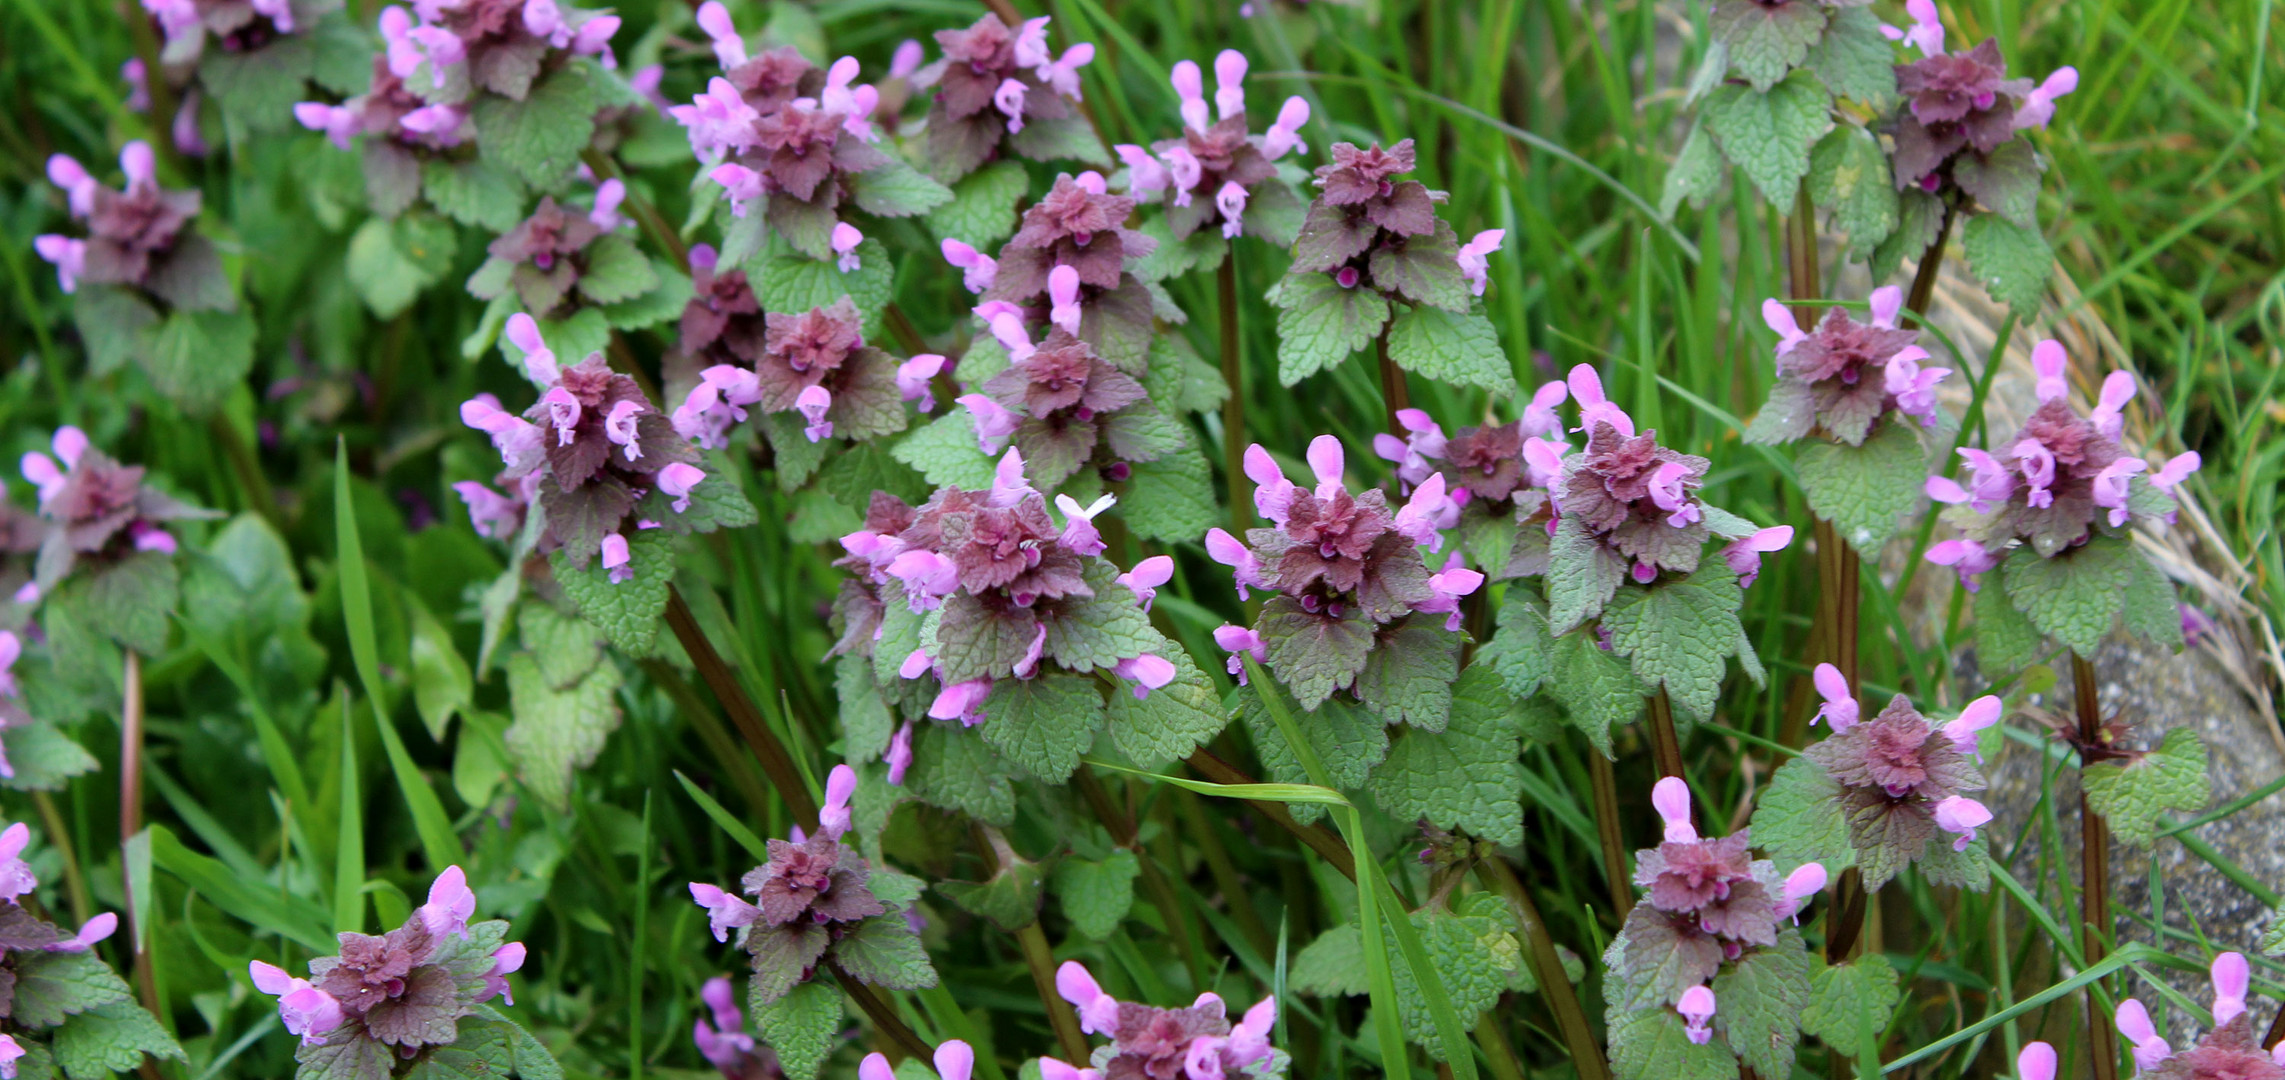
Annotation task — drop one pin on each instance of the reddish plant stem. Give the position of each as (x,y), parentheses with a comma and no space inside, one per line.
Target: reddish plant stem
(1665,742)
(131,807)
(1126,834)
(2094,839)
(1924,278)
(883,1015)
(1394,391)
(1562,1000)
(777,764)
(1606,787)
(1233,406)
(1038,956)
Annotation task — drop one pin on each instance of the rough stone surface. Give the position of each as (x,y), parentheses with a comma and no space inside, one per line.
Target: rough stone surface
(2157,692)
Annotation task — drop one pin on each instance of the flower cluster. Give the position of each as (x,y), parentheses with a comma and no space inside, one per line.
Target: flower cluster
(404,991)
(1215,168)
(808,898)
(1346,566)
(1706,902)
(238,25)
(95,509)
(724,1043)
(1845,375)
(1632,497)
(1059,400)
(1367,227)
(1150,1043)
(815,363)
(544,257)
(1962,103)
(2058,482)
(504,46)
(1068,265)
(1017,592)
(389,109)
(602,447)
(1505,469)
(136,236)
(778,128)
(992,83)
(26,939)
(2231,1049)
(1901,778)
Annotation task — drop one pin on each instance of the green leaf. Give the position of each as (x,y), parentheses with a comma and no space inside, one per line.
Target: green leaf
(257,89)
(2132,795)
(111,1039)
(2152,611)
(295,918)
(1651,1044)
(1347,740)
(866,724)
(953,768)
(1520,652)
(1582,575)
(197,357)
(541,136)
(1919,219)
(659,305)
(128,601)
(1767,135)
(1173,721)
(897,190)
(1596,688)
(1854,60)
(791,283)
(1332,966)
(1408,676)
(557,729)
(1696,174)
(1096,896)
(617,271)
(1042,725)
(1170,500)
(945,451)
(475,192)
(803,1027)
(2011,261)
(717,502)
(2006,181)
(1465,776)
(1065,138)
(1761,997)
(1009,901)
(390,262)
(1319,324)
(1866,491)
(1849,176)
(1313,655)
(1679,633)
(53,986)
(2006,642)
(2075,596)
(113,323)
(886,953)
(1767,41)
(1799,820)
(628,611)
(442,685)
(1423,270)
(1471,954)
(982,210)
(44,758)
(1457,348)
(1850,998)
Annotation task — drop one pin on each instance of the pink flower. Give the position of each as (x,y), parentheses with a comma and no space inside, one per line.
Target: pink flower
(16,876)
(724,911)
(1145,579)
(1062,76)
(1005,320)
(955,1060)
(1966,556)
(2230,976)
(1419,517)
(90,933)
(2048,361)
(741,184)
(2133,1021)
(608,196)
(2118,389)
(1030,48)
(149,537)
(1805,881)
(729,48)
(833,818)
(1697,1008)
(927,576)
(1913,385)
(308,1011)
(1594,408)
(725,1042)
(1779,319)
(1054,1069)
(2112,485)
(1992,484)
(1981,713)
(1273,493)
(1183,169)
(813,403)
(1927,32)
(11,648)
(1229,83)
(1285,134)
(962,701)
(437,124)
(979,269)
(2175,470)
(619,427)
(677,479)
(906,59)
(443,48)
(1009,100)
(1840,707)
(1149,671)
(450,904)
(913,376)
(899,755)
(1328,461)
(1543,461)
(1744,554)
(1962,815)
(719,119)
(2038,471)
(2036,1062)
(1240,642)
(1008,484)
(68,255)
(1886,302)
(845,241)
(1670,796)
(1144,173)
(1229,551)
(65,171)
(540,366)
(2039,106)
(1063,294)
(10,1050)
(1447,586)
(339,123)
(1190,89)
(1230,199)
(616,558)
(1475,258)
(1423,440)
(1669,491)
(506,960)
(563,412)
(1098,1011)
(1079,532)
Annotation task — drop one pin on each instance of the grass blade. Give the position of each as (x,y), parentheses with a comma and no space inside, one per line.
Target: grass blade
(727,821)
(349,841)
